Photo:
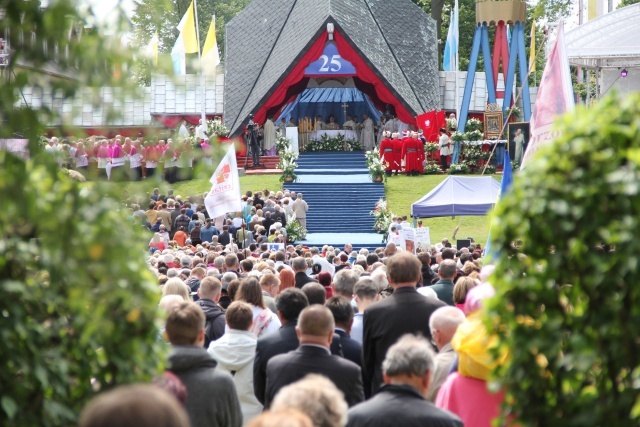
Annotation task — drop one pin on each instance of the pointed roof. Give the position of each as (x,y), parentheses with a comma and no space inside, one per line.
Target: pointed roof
(395,38)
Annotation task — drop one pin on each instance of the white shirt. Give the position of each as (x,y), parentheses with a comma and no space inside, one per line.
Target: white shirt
(445,145)
(357,327)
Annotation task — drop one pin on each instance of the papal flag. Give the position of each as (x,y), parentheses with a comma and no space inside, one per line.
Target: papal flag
(152,49)
(210,54)
(224,195)
(187,41)
(532,49)
(555,97)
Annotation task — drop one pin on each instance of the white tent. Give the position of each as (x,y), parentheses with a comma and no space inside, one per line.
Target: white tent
(458,196)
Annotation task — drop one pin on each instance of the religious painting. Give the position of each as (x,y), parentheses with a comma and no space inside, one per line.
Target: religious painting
(492,124)
(518,139)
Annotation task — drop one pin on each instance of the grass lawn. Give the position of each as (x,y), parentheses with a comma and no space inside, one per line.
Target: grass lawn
(402,191)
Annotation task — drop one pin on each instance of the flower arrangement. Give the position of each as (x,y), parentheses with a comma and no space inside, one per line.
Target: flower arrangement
(474,135)
(451,123)
(430,147)
(375,164)
(288,165)
(459,169)
(382,216)
(282,144)
(473,124)
(432,168)
(490,169)
(458,136)
(339,143)
(514,112)
(215,127)
(473,153)
(294,230)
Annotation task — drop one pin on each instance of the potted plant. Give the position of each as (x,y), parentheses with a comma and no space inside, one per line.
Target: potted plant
(376,165)
(294,230)
(459,169)
(288,166)
(458,136)
(432,168)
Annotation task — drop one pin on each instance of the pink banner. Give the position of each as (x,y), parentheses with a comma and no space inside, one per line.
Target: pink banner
(555,97)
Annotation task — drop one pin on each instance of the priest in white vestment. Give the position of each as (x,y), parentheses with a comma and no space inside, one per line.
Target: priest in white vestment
(269,137)
(349,124)
(368,133)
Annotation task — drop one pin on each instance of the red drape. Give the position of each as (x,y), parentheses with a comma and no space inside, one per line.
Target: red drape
(365,73)
(295,76)
(173,120)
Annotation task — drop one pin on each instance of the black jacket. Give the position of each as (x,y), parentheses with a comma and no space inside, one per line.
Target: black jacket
(400,405)
(285,369)
(351,348)
(404,312)
(280,342)
(302,279)
(428,276)
(215,321)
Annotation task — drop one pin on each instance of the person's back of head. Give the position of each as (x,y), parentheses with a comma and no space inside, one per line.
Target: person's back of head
(372,259)
(448,253)
(247,265)
(315,292)
(344,281)
(404,269)
(210,288)
(443,324)
(185,325)
(250,291)
(447,269)
(316,321)
(342,312)
(175,286)
(198,272)
(424,258)
(317,397)
(299,264)
(366,290)
(280,256)
(380,279)
(409,361)
(290,303)
(139,405)
(239,316)
(231,262)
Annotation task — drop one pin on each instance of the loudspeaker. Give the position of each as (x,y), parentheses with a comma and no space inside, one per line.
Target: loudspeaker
(463,243)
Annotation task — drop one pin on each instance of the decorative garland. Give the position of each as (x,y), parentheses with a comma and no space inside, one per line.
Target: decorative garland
(339,143)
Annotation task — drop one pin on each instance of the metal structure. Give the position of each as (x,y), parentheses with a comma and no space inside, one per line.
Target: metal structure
(505,53)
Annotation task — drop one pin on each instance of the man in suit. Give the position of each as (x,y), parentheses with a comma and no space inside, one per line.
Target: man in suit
(315,333)
(444,287)
(401,401)
(343,316)
(299,266)
(404,312)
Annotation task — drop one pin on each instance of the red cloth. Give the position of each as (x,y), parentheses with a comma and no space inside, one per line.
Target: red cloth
(431,123)
(409,154)
(365,73)
(397,155)
(294,77)
(387,156)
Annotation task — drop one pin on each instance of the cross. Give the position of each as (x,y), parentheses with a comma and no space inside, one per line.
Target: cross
(344,107)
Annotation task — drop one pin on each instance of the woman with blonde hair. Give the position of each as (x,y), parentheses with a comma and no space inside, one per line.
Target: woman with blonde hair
(461,289)
(264,320)
(175,286)
(157,242)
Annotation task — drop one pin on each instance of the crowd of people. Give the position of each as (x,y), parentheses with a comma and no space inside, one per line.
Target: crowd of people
(308,336)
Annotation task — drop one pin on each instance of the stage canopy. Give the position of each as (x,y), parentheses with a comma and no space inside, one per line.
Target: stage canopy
(275,48)
(609,41)
(458,196)
(328,102)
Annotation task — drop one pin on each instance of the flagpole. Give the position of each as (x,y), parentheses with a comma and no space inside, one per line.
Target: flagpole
(203,89)
(457,60)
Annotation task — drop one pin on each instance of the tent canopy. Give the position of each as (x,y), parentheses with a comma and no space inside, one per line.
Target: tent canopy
(458,196)
(313,102)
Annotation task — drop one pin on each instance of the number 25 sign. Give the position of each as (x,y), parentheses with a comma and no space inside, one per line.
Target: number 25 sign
(330,63)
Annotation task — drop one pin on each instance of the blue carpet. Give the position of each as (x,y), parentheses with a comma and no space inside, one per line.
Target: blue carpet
(340,195)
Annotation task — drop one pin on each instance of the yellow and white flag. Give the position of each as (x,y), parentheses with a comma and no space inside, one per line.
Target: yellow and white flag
(532,49)
(188,31)
(152,49)
(210,53)
(224,195)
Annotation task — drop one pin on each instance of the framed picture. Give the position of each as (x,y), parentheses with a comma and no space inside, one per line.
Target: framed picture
(518,139)
(492,124)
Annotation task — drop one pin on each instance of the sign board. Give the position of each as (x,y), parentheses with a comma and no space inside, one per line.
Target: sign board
(423,239)
(292,134)
(276,246)
(330,63)
(409,236)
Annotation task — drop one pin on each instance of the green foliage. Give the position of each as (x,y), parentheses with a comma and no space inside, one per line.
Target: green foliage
(625,3)
(565,309)
(77,300)
(78,303)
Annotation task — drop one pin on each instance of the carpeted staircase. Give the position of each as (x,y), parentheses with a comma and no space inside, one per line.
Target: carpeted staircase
(340,194)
